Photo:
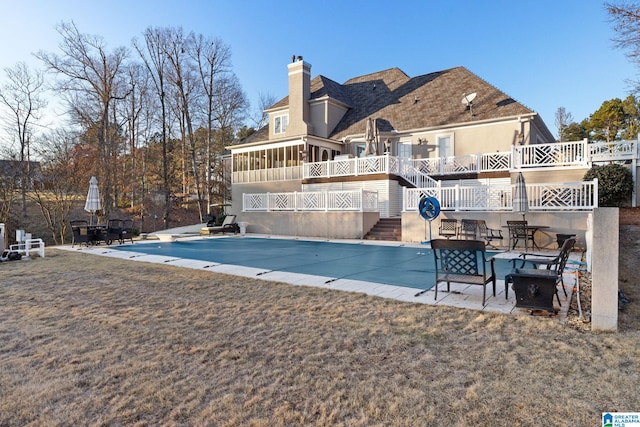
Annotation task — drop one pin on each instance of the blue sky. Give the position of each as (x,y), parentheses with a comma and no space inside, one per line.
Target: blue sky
(545,54)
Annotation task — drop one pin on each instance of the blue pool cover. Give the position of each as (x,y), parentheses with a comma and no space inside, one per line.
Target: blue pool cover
(393,265)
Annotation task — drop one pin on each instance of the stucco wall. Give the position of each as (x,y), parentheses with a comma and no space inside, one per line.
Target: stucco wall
(338,225)
(413,226)
(551,175)
(494,136)
(604,291)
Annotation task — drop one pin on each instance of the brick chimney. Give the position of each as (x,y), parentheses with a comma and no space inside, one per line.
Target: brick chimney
(299,94)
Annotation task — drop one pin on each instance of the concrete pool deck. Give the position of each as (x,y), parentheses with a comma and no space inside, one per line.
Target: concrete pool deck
(461,295)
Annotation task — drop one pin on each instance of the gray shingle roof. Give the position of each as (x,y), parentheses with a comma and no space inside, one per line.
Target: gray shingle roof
(425,101)
(400,102)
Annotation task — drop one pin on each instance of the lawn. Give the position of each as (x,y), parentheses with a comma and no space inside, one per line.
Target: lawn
(88,340)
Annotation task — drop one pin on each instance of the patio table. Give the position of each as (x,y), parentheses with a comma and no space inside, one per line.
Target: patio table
(97,234)
(534,229)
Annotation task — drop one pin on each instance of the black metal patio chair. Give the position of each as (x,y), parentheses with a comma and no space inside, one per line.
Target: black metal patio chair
(489,234)
(448,228)
(80,232)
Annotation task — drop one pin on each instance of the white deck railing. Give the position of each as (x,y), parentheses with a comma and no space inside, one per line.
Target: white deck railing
(551,155)
(578,154)
(352,167)
(548,196)
(323,201)
(612,151)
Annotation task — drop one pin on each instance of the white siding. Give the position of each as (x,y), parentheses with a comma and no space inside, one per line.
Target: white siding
(467,182)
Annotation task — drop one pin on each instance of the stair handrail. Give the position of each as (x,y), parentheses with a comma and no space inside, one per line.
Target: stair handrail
(415,176)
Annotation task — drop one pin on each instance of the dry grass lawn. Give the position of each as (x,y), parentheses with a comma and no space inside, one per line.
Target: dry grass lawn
(88,340)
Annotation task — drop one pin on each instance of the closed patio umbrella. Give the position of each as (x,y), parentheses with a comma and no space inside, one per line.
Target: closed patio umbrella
(370,138)
(520,200)
(93,198)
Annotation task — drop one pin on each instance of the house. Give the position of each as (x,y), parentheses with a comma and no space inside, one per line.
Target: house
(381,134)
(11,172)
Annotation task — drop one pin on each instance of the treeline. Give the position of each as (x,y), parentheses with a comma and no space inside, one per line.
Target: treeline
(616,119)
(151,118)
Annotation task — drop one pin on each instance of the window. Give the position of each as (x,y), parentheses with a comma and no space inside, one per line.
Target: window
(404,149)
(445,145)
(280,124)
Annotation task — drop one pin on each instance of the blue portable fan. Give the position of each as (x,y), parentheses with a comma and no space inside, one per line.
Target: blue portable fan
(429,209)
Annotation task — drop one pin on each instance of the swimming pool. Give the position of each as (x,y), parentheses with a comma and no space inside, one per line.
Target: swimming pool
(393,265)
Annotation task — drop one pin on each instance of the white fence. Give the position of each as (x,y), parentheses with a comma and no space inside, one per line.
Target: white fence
(581,195)
(323,201)
(29,247)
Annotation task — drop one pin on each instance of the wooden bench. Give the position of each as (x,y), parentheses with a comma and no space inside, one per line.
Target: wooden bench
(463,261)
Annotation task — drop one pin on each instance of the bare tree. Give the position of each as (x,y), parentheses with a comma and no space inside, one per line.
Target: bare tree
(22,95)
(154,56)
(9,177)
(62,183)
(90,77)
(214,59)
(625,17)
(183,77)
(134,112)
(563,119)
(230,110)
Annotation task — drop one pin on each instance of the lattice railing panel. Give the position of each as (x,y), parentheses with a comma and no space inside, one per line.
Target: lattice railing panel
(459,164)
(255,202)
(312,201)
(369,201)
(342,167)
(369,165)
(579,195)
(282,201)
(315,170)
(343,200)
(495,161)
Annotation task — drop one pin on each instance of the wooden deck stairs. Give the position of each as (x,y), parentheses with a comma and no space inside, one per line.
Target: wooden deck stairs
(386,229)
